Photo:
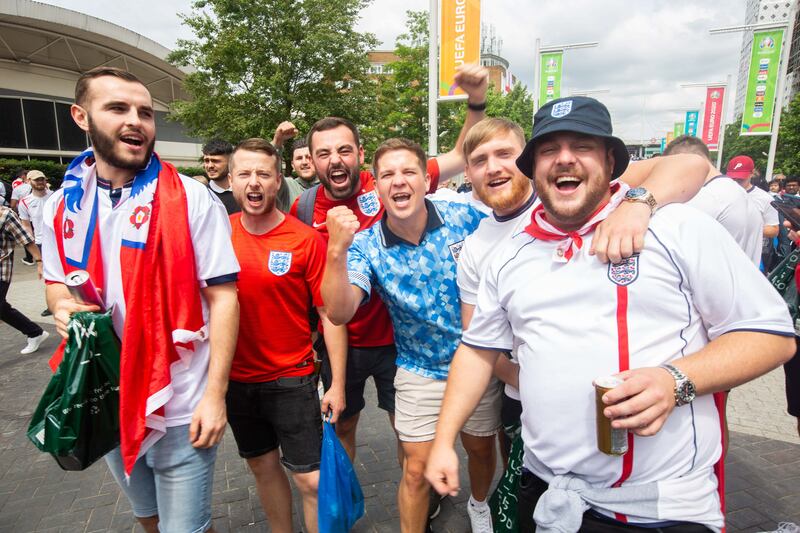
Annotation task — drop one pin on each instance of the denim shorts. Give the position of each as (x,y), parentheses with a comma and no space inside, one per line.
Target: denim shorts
(282,413)
(172,480)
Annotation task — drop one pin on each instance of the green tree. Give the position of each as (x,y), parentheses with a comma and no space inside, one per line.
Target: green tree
(754,146)
(260,62)
(402,104)
(787,155)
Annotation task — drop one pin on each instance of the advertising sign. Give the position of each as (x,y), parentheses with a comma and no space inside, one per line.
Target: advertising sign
(461,42)
(712,116)
(762,81)
(550,82)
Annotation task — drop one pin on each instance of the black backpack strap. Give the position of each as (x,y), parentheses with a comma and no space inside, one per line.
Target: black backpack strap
(305,205)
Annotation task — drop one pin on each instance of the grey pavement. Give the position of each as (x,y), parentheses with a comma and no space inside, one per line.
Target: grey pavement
(763,464)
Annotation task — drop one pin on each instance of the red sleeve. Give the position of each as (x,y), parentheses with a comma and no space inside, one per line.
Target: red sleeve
(316,249)
(293,209)
(433,172)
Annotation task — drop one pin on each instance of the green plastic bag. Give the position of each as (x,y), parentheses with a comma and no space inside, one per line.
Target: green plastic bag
(504,499)
(77,419)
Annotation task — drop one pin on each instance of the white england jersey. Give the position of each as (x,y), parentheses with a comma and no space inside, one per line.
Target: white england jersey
(726,202)
(762,199)
(583,319)
(215,262)
(477,252)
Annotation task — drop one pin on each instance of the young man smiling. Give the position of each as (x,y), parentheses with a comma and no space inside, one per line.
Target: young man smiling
(409,258)
(648,319)
(150,239)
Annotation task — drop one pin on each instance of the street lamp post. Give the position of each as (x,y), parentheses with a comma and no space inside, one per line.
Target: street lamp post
(433,78)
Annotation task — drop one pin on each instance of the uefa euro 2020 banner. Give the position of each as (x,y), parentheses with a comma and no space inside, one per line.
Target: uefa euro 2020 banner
(550,78)
(712,116)
(461,43)
(690,124)
(762,81)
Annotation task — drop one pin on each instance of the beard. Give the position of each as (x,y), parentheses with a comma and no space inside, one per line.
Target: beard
(518,193)
(572,216)
(104,148)
(354,179)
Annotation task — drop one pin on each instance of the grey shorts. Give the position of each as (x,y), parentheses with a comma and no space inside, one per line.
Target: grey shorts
(418,401)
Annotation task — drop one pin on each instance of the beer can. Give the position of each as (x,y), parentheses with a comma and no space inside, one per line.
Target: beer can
(610,441)
(82,288)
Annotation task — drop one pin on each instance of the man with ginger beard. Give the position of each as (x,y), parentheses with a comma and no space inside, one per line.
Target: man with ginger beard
(272,398)
(149,238)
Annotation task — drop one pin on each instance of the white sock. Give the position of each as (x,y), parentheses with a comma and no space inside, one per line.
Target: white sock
(477,504)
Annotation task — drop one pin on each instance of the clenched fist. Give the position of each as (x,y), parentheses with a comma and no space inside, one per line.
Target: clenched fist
(342,226)
(285,131)
(474,80)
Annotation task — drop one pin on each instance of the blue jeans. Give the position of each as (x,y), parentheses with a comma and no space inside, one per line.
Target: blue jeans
(172,480)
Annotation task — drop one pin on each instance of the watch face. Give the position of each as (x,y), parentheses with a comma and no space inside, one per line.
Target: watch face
(636,192)
(685,392)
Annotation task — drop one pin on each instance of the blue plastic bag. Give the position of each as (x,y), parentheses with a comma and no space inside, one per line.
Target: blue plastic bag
(340,500)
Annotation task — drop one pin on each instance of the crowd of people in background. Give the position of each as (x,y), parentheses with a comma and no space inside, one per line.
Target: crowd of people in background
(484,313)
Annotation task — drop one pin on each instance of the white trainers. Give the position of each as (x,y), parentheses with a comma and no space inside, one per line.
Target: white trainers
(480,516)
(34,343)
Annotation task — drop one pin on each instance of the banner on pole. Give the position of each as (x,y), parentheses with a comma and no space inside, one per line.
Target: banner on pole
(461,43)
(663,144)
(670,137)
(550,82)
(762,81)
(690,124)
(712,116)
(677,131)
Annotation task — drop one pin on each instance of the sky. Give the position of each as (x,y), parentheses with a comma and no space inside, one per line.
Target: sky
(647,48)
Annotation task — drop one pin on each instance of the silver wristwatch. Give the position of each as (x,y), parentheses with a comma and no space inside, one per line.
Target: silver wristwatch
(684,388)
(642,195)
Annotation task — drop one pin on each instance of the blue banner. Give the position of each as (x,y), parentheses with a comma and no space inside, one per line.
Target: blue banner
(690,125)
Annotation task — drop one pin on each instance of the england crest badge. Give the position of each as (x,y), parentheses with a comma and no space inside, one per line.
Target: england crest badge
(455,249)
(625,272)
(279,262)
(561,109)
(369,204)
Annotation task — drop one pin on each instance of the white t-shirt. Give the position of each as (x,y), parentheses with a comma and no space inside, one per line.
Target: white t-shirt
(477,252)
(31,209)
(466,197)
(21,191)
(726,202)
(580,320)
(762,199)
(215,261)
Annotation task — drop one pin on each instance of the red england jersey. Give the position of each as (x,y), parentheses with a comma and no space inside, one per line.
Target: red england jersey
(371,325)
(279,281)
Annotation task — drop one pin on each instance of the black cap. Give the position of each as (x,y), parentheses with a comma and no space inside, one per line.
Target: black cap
(580,114)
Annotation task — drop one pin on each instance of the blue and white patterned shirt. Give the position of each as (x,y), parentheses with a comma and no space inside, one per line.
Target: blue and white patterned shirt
(418,284)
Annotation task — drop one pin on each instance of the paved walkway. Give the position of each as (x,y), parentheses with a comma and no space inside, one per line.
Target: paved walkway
(763,485)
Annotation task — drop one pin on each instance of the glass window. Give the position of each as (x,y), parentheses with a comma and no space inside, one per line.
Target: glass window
(40,123)
(12,135)
(72,137)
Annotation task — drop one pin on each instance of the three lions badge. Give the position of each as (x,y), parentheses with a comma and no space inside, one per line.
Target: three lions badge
(369,204)
(279,262)
(625,272)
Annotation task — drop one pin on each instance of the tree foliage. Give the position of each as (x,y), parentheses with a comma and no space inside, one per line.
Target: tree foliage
(402,103)
(260,62)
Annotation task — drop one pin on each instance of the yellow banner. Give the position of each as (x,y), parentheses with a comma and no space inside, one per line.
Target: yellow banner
(670,136)
(461,42)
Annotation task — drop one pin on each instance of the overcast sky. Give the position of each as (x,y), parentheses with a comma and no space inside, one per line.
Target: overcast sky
(647,47)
